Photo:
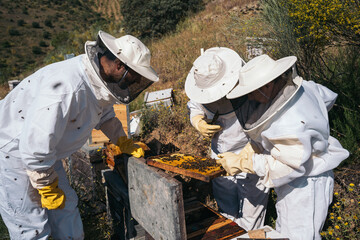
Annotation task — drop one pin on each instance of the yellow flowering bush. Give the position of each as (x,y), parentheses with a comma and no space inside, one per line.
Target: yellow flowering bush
(343,215)
(321,20)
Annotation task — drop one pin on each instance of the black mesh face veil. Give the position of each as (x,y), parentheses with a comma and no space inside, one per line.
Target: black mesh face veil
(124,90)
(224,106)
(131,91)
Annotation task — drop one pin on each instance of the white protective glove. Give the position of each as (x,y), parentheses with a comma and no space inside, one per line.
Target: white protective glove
(207,130)
(236,163)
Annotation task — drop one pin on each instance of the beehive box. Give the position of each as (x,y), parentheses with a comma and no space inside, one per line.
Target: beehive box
(158,205)
(98,138)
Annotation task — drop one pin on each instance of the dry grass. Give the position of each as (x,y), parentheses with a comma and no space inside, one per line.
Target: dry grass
(4,89)
(110,8)
(174,54)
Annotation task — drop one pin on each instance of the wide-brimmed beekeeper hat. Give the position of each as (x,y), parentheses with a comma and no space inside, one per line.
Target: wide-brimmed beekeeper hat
(258,72)
(132,52)
(213,75)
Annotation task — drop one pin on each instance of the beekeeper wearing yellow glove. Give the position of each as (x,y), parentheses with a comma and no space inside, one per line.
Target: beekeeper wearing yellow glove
(214,73)
(206,129)
(49,116)
(47,184)
(287,118)
(129,147)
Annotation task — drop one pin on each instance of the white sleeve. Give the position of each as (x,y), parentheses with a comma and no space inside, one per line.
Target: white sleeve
(285,161)
(110,125)
(328,96)
(108,113)
(43,128)
(195,109)
(113,129)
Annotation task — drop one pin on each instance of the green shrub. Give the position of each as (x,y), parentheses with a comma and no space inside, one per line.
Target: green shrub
(6,44)
(306,29)
(35,25)
(154,18)
(3,231)
(60,39)
(149,123)
(343,76)
(13,32)
(25,11)
(324,20)
(36,50)
(46,35)
(20,22)
(281,28)
(5,72)
(43,44)
(48,23)
(3,64)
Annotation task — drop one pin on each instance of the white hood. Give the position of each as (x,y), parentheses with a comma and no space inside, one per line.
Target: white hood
(100,90)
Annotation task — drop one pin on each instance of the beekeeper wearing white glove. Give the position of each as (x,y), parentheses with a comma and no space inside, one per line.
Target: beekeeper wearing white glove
(50,115)
(286,118)
(240,197)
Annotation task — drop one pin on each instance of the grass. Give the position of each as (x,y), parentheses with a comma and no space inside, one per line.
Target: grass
(174,54)
(3,231)
(4,89)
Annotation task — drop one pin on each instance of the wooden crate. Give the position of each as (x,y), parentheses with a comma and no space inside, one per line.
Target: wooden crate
(98,138)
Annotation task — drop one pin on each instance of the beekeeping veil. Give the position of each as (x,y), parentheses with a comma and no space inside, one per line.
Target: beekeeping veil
(130,51)
(256,73)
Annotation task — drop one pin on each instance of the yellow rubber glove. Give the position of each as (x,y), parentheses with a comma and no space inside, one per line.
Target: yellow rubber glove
(127,146)
(52,197)
(236,163)
(207,130)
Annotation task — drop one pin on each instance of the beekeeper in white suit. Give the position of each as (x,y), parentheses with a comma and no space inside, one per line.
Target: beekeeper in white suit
(287,119)
(214,73)
(50,115)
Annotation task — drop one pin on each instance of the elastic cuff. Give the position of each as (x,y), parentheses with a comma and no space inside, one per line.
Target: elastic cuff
(42,178)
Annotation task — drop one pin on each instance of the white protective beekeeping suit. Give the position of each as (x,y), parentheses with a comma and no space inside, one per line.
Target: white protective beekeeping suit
(241,197)
(50,115)
(47,117)
(299,153)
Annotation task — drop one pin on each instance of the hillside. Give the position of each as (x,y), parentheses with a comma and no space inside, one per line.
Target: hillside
(32,28)
(109,8)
